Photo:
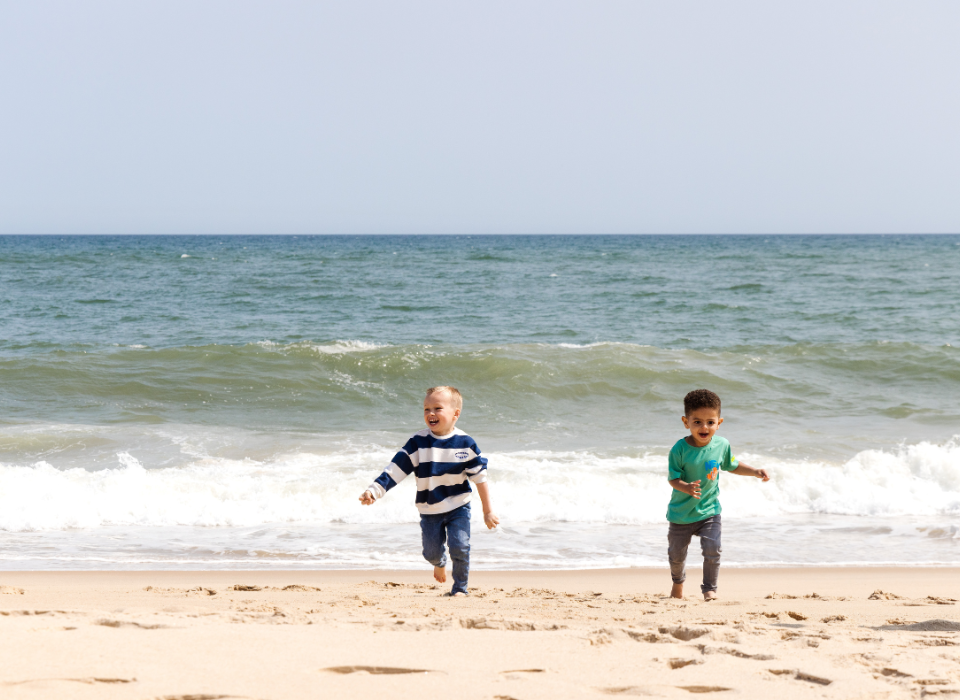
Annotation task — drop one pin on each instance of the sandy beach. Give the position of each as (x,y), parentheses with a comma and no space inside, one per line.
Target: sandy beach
(789,633)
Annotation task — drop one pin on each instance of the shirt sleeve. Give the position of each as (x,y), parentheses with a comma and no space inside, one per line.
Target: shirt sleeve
(674,465)
(400,467)
(476,468)
(729,461)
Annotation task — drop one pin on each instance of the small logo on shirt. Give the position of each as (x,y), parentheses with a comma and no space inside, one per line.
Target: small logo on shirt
(462,455)
(713,469)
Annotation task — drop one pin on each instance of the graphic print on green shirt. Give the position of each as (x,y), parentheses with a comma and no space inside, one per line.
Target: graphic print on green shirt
(689,464)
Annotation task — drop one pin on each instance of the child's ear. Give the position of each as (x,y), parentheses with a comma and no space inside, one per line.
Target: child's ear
(719,422)
(685,424)
(456,414)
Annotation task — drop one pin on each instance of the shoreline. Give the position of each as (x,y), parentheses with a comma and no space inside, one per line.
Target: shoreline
(743,582)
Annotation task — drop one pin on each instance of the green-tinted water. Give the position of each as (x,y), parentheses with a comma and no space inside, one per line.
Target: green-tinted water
(158,382)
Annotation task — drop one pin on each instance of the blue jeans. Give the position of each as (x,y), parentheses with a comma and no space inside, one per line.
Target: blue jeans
(678,539)
(452,527)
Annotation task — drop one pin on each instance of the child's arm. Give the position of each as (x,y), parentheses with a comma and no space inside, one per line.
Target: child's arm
(747,470)
(489,517)
(691,489)
(400,467)
(675,474)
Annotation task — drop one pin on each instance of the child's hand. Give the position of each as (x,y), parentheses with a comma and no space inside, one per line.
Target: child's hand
(490,520)
(367,499)
(693,488)
(746,470)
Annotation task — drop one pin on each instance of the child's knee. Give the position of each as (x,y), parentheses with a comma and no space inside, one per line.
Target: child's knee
(711,548)
(458,538)
(433,551)
(677,548)
(460,547)
(435,556)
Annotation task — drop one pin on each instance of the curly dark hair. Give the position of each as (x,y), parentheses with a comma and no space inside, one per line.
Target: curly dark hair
(700,398)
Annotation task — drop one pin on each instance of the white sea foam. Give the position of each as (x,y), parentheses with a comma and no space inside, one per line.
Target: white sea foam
(584,346)
(529,487)
(599,344)
(337,347)
(922,479)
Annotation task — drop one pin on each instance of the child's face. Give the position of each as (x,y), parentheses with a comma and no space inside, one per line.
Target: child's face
(440,413)
(702,424)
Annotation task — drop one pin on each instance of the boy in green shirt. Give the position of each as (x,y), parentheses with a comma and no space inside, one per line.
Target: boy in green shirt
(695,465)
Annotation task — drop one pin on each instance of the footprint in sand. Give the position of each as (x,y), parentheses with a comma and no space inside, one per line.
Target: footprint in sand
(17,613)
(527,670)
(705,650)
(648,637)
(482,623)
(660,691)
(202,696)
(684,634)
(123,623)
(200,590)
(702,688)
(86,681)
(520,673)
(810,678)
(894,673)
(800,676)
(376,670)
(935,642)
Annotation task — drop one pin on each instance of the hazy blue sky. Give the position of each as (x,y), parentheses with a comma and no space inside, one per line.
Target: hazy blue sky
(520,116)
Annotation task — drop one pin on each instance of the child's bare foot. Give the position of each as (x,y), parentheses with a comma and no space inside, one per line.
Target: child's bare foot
(440,574)
(710,595)
(676,591)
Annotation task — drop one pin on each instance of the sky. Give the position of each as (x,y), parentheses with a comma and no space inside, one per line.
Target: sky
(529,116)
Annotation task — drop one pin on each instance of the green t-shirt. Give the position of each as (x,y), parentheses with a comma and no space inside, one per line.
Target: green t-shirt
(704,463)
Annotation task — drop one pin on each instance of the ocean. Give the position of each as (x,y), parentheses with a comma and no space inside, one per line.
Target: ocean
(216,402)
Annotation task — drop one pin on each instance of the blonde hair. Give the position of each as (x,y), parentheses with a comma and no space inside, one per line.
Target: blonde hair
(452,390)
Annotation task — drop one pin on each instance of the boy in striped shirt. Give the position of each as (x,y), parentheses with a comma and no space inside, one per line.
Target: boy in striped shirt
(445,460)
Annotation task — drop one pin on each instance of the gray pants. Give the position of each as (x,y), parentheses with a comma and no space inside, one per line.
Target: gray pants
(678,539)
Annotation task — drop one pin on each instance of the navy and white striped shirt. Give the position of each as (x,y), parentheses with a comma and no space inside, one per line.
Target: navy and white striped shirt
(443,466)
